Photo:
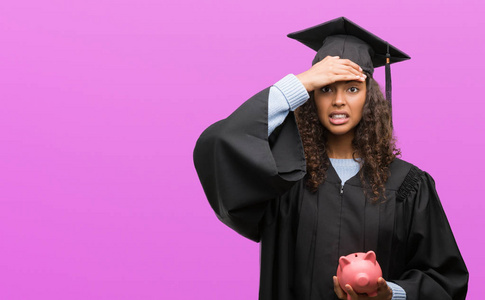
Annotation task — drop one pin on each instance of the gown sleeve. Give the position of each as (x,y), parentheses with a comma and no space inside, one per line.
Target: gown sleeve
(434,267)
(241,169)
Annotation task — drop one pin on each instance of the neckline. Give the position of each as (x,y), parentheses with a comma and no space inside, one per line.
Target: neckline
(333,177)
(344,158)
(344,162)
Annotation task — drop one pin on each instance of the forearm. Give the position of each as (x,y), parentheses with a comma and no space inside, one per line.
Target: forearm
(285,95)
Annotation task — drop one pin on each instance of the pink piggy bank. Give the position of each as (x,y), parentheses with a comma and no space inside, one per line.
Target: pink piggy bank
(361,271)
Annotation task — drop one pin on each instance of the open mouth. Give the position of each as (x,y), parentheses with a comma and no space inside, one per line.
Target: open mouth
(338,118)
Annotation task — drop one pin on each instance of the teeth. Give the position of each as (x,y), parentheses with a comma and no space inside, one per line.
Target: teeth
(341,116)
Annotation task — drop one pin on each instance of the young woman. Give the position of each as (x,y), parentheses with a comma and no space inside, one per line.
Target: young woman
(308,168)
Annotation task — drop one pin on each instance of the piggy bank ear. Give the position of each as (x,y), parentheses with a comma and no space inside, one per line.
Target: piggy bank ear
(370,256)
(343,261)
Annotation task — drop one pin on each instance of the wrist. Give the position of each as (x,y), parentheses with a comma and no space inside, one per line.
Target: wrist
(305,83)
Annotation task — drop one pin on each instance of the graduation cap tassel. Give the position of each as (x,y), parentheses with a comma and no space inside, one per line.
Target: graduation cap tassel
(388,79)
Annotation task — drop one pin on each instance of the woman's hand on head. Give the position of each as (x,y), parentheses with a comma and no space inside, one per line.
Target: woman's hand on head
(384,292)
(329,70)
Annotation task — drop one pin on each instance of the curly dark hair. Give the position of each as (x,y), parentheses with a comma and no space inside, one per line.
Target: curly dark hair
(374,142)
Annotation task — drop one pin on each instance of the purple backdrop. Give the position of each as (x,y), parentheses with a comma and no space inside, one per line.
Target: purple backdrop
(102,102)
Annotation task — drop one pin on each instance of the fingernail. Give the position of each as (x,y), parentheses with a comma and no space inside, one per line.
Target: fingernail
(360,69)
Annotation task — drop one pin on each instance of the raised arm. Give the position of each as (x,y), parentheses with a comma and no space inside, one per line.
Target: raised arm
(241,171)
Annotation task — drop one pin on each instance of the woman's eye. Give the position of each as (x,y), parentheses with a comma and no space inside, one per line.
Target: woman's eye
(353,89)
(325,89)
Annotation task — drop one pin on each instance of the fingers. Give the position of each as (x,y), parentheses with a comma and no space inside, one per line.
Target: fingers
(352,64)
(337,289)
(381,284)
(330,70)
(343,67)
(340,69)
(383,289)
(347,63)
(343,61)
(351,292)
(347,77)
(328,57)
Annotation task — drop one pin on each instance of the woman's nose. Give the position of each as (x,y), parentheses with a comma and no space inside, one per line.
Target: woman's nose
(339,99)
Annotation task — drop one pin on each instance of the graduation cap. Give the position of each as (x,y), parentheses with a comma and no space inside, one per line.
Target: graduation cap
(341,37)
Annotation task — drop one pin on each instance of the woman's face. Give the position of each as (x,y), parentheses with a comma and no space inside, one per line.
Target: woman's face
(340,106)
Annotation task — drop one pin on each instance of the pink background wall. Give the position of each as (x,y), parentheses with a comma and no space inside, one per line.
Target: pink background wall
(102,102)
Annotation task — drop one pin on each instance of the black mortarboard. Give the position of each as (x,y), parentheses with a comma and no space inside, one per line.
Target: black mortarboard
(341,37)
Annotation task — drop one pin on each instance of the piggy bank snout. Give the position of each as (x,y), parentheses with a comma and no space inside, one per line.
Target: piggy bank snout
(362,279)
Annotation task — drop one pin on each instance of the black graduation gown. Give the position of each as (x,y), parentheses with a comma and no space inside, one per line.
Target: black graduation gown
(256,186)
